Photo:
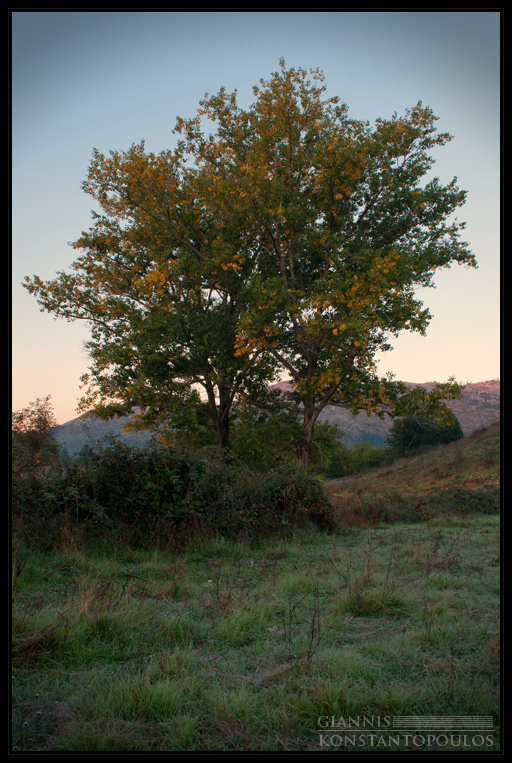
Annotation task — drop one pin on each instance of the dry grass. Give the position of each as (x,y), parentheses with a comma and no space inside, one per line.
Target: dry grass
(460,477)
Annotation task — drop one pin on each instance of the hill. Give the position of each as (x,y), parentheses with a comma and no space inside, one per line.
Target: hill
(459,477)
(77,433)
(480,406)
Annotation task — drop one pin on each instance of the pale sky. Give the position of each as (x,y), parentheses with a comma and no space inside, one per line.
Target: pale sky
(105,80)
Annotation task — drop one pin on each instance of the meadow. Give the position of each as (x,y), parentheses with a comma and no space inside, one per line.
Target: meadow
(312,640)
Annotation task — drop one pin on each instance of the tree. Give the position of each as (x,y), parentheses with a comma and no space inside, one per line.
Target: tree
(412,432)
(295,241)
(35,423)
(33,442)
(342,235)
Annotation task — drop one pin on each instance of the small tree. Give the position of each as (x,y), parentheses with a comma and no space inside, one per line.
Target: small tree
(412,432)
(33,443)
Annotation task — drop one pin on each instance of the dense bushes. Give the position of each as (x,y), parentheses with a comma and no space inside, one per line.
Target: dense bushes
(155,494)
(361,458)
(412,432)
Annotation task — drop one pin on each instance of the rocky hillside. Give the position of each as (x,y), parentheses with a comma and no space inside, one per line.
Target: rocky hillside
(480,406)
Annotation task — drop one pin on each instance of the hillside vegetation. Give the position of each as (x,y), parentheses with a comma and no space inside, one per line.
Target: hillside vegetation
(459,477)
(479,407)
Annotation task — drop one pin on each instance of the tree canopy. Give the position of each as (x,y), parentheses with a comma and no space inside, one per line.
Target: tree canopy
(291,239)
(412,432)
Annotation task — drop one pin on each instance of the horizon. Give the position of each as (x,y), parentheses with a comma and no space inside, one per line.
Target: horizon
(284,381)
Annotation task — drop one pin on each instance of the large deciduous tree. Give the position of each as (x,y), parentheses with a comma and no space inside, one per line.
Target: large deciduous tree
(343,230)
(296,239)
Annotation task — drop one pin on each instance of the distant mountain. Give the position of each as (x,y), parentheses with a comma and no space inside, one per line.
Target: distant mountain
(479,406)
(77,433)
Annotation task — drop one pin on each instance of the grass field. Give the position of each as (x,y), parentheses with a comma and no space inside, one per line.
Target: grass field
(223,646)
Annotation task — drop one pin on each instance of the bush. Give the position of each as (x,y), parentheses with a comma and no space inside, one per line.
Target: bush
(412,432)
(155,494)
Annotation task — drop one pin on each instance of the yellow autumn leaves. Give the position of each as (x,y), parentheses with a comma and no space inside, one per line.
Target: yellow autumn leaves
(233,265)
(244,345)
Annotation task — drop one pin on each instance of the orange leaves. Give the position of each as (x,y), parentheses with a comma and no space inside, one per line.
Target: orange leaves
(232,265)
(245,346)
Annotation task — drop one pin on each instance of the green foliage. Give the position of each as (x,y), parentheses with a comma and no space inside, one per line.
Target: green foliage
(263,443)
(412,432)
(341,465)
(266,439)
(362,457)
(35,452)
(326,447)
(291,238)
(157,494)
(365,456)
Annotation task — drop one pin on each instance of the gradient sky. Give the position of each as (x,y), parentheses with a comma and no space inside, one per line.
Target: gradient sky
(109,79)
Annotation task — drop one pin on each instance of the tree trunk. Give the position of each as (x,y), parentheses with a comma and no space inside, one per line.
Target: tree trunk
(221,423)
(218,413)
(308,427)
(311,414)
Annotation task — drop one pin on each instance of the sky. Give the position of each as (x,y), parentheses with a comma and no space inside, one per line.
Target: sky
(106,80)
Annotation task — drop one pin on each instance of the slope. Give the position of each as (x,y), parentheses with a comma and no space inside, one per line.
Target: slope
(460,477)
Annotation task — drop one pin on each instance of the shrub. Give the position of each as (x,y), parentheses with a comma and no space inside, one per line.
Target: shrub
(412,432)
(155,494)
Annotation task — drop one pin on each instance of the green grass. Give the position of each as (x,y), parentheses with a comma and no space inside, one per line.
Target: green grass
(231,647)
(219,645)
